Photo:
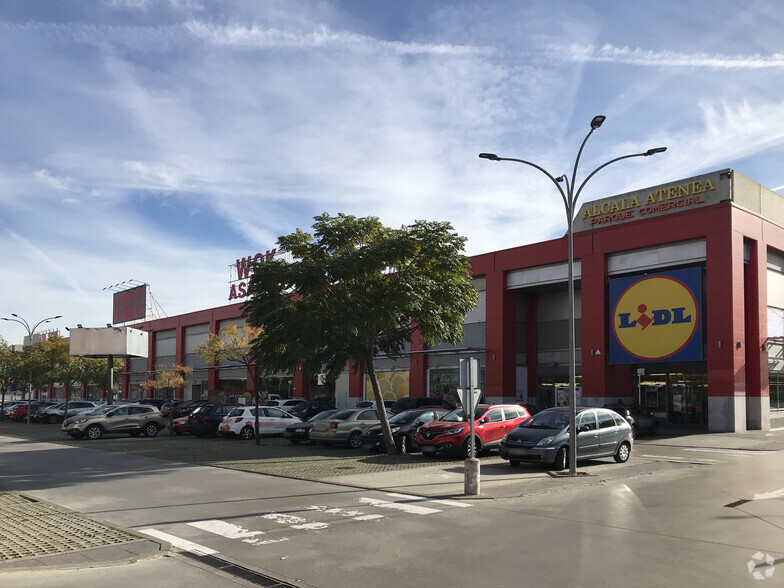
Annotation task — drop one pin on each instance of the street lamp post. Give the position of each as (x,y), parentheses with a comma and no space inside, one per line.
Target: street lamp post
(570,197)
(30,333)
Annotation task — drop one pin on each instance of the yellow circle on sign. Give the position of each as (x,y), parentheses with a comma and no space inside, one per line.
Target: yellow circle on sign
(655,317)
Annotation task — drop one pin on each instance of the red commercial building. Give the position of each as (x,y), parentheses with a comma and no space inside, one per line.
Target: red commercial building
(679,304)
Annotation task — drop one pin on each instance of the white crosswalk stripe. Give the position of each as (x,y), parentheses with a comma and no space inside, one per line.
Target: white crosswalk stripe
(675,458)
(406,504)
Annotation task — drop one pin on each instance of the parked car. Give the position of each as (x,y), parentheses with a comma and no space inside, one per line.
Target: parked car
(413,402)
(344,426)
(531,408)
(404,426)
(544,438)
(642,421)
(311,409)
(299,432)
(156,402)
(287,403)
(204,419)
(133,419)
(9,405)
(180,425)
(19,412)
(241,421)
(56,413)
(372,404)
(451,433)
(187,407)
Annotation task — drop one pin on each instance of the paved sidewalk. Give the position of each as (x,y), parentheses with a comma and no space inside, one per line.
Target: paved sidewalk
(38,535)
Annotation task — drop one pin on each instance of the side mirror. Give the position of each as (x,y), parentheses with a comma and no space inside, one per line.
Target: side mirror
(583,429)
(485,420)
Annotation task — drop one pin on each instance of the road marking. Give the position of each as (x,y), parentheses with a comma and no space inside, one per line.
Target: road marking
(354,515)
(424,499)
(183,544)
(232,531)
(725,451)
(703,460)
(294,522)
(408,508)
(766,495)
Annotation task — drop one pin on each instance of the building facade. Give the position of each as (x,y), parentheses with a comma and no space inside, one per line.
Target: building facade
(679,304)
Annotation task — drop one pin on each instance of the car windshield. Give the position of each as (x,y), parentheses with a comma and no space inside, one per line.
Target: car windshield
(547,419)
(404,418)
(235,412)
(342,415)
(458,416)
(200,409)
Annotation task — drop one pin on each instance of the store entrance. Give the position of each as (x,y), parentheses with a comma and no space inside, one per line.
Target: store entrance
(678,397)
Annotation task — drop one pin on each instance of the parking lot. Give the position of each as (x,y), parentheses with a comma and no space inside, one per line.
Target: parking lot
(275,456)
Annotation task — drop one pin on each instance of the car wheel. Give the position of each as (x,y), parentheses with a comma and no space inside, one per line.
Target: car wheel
(467,448)
(93,432)
(561,459)
(623,453)
(247,433)
(52,419)
(514,463)
(355,440)
(150,429)
(404,445)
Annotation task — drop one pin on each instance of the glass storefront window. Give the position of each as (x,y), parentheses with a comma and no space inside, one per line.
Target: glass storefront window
(443,383)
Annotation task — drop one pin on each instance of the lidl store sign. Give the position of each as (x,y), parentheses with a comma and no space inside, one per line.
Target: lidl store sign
(656,317)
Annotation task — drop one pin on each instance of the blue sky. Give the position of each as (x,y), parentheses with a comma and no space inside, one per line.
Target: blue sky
(160,140)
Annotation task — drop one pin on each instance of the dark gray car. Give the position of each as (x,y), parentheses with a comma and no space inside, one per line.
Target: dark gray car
(544,438)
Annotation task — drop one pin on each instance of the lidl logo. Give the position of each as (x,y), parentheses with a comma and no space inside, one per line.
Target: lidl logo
(656,317)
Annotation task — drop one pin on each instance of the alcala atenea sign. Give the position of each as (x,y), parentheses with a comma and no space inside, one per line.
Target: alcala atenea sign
(239,284)
(667,198)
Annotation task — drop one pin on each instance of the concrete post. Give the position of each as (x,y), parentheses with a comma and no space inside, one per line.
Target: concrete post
(471,477)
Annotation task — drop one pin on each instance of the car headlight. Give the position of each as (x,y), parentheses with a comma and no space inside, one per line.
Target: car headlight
(394,429)
(454,431)
(80,421)
(545,441)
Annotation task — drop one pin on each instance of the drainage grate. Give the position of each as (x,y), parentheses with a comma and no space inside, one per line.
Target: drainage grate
(737,503)
(239,571)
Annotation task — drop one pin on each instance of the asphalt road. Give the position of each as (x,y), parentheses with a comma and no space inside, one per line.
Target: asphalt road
(667,517)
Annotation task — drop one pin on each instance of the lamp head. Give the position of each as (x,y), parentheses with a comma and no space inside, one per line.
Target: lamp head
(490,156)
(655,150)
(79,326)
(597,121)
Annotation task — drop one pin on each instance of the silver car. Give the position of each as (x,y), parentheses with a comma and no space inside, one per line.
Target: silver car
(345,426)
(56,413)
(544,438)
(132,419)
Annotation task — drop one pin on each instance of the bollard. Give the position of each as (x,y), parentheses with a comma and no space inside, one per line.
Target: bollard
(472,477)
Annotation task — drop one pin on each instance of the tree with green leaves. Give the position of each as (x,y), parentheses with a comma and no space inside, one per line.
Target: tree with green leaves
(168,377)
(358,289)
(234,344)
(10,368)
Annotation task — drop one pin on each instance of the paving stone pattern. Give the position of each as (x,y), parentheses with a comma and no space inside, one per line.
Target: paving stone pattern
(34,529)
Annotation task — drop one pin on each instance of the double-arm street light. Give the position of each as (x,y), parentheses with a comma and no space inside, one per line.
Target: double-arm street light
(570,197)
(30,332)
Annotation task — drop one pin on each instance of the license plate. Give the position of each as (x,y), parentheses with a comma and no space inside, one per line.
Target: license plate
(224,427)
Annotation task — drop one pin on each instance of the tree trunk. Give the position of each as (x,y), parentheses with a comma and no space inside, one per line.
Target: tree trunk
(65,414)
(170,398)
(386,431)
(2,406)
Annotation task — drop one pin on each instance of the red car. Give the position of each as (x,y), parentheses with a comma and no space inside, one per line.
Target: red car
(450,433)
(181,425)
(19,412)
